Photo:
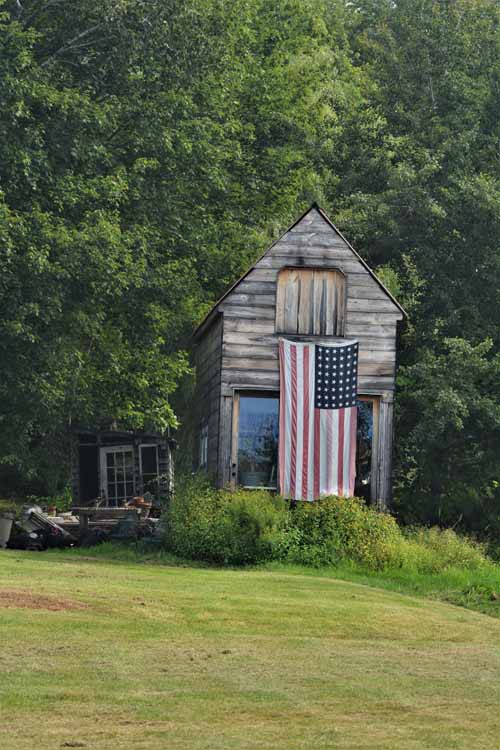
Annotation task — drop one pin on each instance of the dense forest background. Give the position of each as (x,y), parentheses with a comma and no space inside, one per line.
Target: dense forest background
(151,149)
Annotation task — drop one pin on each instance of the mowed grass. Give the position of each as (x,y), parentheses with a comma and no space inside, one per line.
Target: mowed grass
(119,655)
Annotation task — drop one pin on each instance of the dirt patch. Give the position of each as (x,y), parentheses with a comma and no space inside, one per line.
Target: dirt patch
(28,600)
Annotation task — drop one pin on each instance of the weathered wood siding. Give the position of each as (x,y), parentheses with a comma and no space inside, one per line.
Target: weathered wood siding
(208,360)
(250,333)
(250,340)
(238,344)
(310,301)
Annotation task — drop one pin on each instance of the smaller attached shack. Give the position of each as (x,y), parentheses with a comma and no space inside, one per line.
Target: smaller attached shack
(117,465)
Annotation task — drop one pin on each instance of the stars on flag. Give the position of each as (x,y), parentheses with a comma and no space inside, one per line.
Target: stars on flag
(336,376)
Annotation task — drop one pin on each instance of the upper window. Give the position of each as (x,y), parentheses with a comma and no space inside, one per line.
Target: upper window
(310,301)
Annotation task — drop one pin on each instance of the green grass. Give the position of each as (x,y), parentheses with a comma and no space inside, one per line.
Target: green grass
(165,657)
(476,588)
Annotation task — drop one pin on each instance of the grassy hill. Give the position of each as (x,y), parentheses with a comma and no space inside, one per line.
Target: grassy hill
(110,655)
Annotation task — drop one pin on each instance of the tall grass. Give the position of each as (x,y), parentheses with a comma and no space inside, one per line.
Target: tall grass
(247,527)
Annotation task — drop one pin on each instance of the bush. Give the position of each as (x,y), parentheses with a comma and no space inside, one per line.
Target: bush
(10,506)
(435,550)
(336,528)
(250,526)
(220,526)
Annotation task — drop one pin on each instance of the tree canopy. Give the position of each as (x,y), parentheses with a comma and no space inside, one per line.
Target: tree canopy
(149,150)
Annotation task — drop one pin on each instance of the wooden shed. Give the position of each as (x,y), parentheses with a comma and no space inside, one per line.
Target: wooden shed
(310,285)
(114,465)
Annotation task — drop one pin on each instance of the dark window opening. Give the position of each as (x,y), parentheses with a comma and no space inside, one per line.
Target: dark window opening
(203,448)
(150,470)
(364,449)
(88,462)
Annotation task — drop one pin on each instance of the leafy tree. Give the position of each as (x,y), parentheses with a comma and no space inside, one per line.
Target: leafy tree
(145,149)
(421,195)
(450,455)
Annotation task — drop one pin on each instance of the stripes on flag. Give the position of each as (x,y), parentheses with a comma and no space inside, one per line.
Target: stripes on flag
(317,446)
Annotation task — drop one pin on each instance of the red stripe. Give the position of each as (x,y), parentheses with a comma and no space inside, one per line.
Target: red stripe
(293,460)
(281,436)
(317,448)
(341,454)
(352,452)
(305,436)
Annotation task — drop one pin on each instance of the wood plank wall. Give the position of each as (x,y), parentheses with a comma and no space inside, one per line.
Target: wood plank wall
(310,301)
(208,360)
(249,342)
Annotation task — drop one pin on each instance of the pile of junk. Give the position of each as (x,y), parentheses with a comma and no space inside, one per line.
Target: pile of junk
(37,529)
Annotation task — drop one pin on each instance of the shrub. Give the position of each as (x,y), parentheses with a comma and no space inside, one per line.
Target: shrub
(434,550)
(338,527)
(250,526)
(221,526)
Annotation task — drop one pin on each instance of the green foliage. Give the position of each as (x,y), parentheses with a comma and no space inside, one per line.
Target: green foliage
(220,526)
(436,550)
(61,500)
(336,528)
(9,506)
(250,526)
(147,152)
(150,151)
(448,455)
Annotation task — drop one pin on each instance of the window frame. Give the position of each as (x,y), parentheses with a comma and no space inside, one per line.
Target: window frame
(375,399)
(104,450)
(150,445)
(342,310)
(237,392)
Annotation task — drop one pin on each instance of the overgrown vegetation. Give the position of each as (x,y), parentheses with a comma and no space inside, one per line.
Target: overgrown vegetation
(150,151)
(202,523)
(247,526)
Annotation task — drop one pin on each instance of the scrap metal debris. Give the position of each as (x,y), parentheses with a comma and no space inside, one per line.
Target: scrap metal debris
(87,526)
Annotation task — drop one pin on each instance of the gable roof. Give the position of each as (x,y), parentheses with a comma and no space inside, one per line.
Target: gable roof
(208,317)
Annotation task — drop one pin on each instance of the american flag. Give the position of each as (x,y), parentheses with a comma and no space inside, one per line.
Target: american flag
(317,445)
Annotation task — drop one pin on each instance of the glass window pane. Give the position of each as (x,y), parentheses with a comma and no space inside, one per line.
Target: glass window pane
(119,474)
(364,449)
(258,441)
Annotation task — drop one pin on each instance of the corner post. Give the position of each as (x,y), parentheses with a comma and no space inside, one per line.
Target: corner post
(384,463)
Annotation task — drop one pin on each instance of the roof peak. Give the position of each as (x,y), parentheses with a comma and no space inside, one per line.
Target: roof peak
(314,206)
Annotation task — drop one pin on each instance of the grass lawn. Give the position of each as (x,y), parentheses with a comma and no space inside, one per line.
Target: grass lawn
(112,655)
